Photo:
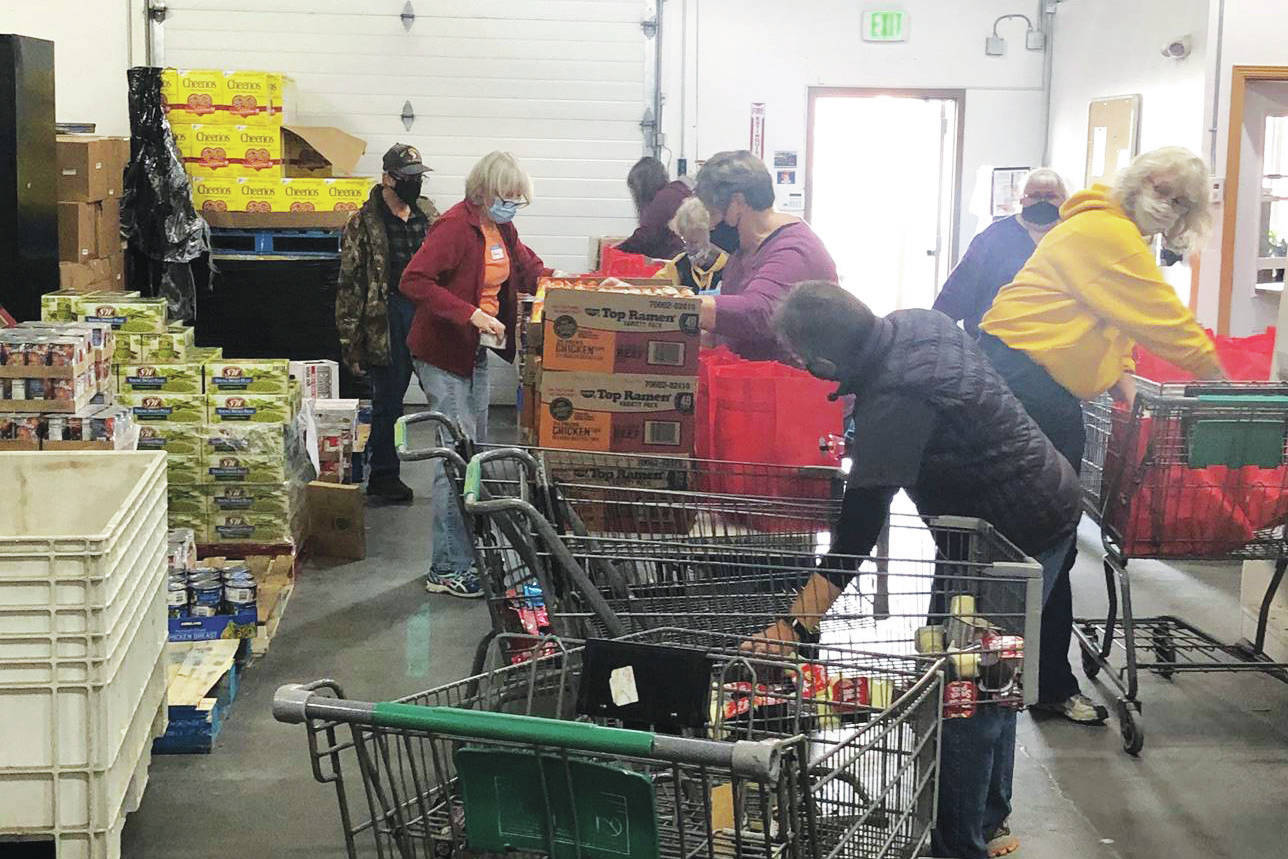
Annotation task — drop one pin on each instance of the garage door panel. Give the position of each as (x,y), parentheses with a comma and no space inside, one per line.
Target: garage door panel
(510,10)
(431,87)
(477,107)
(452,164)
(547,129)
(473,148)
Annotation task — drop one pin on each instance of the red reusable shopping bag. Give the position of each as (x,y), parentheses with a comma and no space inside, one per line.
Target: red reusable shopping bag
(708,360)
(1246,359)
(615,263)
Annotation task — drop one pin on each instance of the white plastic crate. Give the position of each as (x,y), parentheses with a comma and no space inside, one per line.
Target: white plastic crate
(67,544)
(83,810)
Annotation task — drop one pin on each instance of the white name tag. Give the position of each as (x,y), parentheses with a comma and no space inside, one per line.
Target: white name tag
(498,252)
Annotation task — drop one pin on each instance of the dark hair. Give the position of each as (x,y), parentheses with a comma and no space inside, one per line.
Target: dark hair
(729,173)
(820,319)
(646,178)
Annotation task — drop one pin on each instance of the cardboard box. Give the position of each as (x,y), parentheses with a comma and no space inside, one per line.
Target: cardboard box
(169,347)
(77,232)
(258,498)
(230,151)
(218,194)
(318,379)
(183,441)
(100,274)
(60,305)
(337,520)
(129,313)
(248,408)
(189,503)
(90,168)
(107,227)
(183,471)
(616,413)
(134,378)
(606,494)
(241,526)
(165,407)
(610,332)
(219,466)
(192,95)
(253,98)
(248,375)
(319,152)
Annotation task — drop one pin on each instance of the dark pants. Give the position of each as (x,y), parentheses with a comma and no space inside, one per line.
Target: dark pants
(1059,414)
(388,387)
(976,759)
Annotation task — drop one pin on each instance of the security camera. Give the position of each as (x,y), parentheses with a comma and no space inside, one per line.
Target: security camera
(1178,48)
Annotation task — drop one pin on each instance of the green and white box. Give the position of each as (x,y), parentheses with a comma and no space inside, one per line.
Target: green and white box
(166,407)
(174,378)
(248,376)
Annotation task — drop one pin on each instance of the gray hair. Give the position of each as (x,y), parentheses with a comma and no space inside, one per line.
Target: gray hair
(497,174)
(1183,214)
(729,173)
(691,219)
(1046,174)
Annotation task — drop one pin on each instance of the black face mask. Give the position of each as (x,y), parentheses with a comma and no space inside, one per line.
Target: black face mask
(408,190)
(1041,213)
(725,237)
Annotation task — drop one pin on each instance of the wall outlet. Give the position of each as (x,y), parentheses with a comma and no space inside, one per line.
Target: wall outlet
(994,46)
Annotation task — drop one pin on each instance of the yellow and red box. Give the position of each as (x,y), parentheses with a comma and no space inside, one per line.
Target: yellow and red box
(233,151)
(616,412)
(600,331)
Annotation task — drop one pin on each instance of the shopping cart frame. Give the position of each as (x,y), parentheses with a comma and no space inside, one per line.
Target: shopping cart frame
(1178,646)
(820,766)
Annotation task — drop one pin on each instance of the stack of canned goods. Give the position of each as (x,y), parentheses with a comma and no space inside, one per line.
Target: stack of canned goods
(38,351)
(206,592)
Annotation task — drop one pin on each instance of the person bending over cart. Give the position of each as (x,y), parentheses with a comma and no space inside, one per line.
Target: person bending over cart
(932,417)
(1063,330)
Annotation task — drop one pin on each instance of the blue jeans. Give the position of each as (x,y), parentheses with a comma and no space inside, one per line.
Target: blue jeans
(976,762)
(388,387)
(465,399)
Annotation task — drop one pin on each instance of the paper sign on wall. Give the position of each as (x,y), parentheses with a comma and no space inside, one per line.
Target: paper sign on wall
(1099,142)
(757,144)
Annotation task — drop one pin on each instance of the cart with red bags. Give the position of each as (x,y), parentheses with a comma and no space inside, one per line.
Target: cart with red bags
(1188,471)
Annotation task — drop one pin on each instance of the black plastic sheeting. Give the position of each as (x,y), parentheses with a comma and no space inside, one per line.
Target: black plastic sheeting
(158,220)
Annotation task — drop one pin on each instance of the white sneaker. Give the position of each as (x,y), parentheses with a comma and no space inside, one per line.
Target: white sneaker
(1078,708)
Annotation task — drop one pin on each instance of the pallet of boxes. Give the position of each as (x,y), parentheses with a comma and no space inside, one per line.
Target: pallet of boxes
(90,175)
(613,372)
(249,167)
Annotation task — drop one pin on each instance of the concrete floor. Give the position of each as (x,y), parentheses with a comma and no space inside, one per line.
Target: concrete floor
(1211,782)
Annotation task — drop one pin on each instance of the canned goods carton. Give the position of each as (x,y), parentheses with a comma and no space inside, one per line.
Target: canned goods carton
(165,407)
(173,378)
(246,438)
(60,305)
(248,376)
(183,471)
(245,527)
(242,467)
(619,413)
(273,499)
(248,408)
(608,332)
(190,521)
(129,315)
(181,440)
(171,346)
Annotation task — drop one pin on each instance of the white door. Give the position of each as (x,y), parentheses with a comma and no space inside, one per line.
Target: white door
(882,191)
(563,84)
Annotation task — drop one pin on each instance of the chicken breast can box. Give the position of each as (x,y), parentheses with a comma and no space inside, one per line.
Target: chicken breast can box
(615,332)
(619,413)
(607,491)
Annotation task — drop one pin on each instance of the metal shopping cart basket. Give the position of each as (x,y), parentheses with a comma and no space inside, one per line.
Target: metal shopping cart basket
(666,744)
(949,586)
(1192,471)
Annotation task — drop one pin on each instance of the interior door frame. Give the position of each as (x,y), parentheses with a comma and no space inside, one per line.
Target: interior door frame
(1239,79)
(956,95)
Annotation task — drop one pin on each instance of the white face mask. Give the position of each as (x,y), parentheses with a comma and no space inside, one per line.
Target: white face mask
(1154,214)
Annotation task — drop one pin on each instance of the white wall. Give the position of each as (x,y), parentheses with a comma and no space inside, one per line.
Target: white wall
(1109,48)
(1254,32)
(744,51)
(94,41)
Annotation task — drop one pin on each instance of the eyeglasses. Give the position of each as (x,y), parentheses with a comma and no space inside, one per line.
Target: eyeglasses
(1164,191)
(518,203)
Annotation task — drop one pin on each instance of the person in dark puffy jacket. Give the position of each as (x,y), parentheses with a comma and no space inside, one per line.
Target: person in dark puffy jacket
(932,417)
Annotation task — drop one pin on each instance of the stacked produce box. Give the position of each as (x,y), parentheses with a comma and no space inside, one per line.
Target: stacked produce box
(228,127)
(90,173)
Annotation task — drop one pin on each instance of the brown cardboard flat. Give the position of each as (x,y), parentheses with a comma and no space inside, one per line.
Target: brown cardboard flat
(319,151)
(602,331)
(107,226)
(77,232)
(277,220)
(337,520)
(79,276)
(90,168)
(116,270)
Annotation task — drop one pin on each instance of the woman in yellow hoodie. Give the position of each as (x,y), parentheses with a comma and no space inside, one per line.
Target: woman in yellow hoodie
(1063,332)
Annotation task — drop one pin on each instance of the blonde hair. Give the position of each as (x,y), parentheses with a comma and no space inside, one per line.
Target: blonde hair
(497,174)
(692,218)
(1188,201)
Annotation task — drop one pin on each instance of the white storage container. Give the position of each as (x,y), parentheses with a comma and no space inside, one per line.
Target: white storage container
(82,630)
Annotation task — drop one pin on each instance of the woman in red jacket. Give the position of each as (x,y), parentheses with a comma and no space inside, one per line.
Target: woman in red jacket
(465,281)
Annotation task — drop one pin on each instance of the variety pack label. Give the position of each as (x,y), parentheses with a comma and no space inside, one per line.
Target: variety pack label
(616,412)
(599,331)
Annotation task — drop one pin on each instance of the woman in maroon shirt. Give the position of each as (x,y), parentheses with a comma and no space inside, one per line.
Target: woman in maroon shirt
(471,259)
(770,253)
(656,199)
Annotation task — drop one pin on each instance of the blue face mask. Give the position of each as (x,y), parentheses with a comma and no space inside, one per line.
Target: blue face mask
(502,211)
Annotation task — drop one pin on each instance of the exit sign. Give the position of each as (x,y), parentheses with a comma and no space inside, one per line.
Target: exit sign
(889,25)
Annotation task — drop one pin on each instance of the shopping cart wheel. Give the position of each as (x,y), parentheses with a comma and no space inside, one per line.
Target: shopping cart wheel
(1090,660)
(1164,651)
(1129,726)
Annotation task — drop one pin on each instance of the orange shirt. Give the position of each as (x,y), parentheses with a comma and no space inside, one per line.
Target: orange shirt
(496,269)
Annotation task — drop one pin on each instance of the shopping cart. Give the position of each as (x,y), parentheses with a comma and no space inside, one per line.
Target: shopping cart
(1191,471)
(949,586)
(665,744)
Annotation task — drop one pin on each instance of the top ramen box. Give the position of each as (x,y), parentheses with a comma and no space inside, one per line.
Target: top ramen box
(599,331)
(616,412)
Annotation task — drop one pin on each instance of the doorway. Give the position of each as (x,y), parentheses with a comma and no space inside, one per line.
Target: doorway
(882,189)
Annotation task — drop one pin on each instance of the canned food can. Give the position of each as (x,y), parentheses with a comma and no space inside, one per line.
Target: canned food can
(18,389)
(240,591)
(198,610)
(960,698)
(176,593)
(57,426)
(206,592)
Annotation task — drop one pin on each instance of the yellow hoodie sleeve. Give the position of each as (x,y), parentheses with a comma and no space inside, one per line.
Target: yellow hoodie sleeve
(1132,295)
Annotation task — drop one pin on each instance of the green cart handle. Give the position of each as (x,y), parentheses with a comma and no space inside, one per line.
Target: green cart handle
(761,760)
(449,426)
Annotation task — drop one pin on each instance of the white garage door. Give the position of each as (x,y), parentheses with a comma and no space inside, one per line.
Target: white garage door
(563,84)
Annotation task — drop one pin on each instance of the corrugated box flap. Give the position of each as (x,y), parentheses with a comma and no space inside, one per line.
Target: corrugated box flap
(338,147)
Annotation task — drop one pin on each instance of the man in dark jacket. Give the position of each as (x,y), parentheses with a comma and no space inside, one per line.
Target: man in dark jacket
(372,316)
(932,417)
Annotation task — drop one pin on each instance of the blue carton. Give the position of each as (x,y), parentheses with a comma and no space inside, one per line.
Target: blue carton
(239,625)
(194,731)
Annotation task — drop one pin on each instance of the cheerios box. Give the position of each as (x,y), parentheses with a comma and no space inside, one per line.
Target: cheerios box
(192,95)
(253,98)
(614,332)
(616,412)
(230,150)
